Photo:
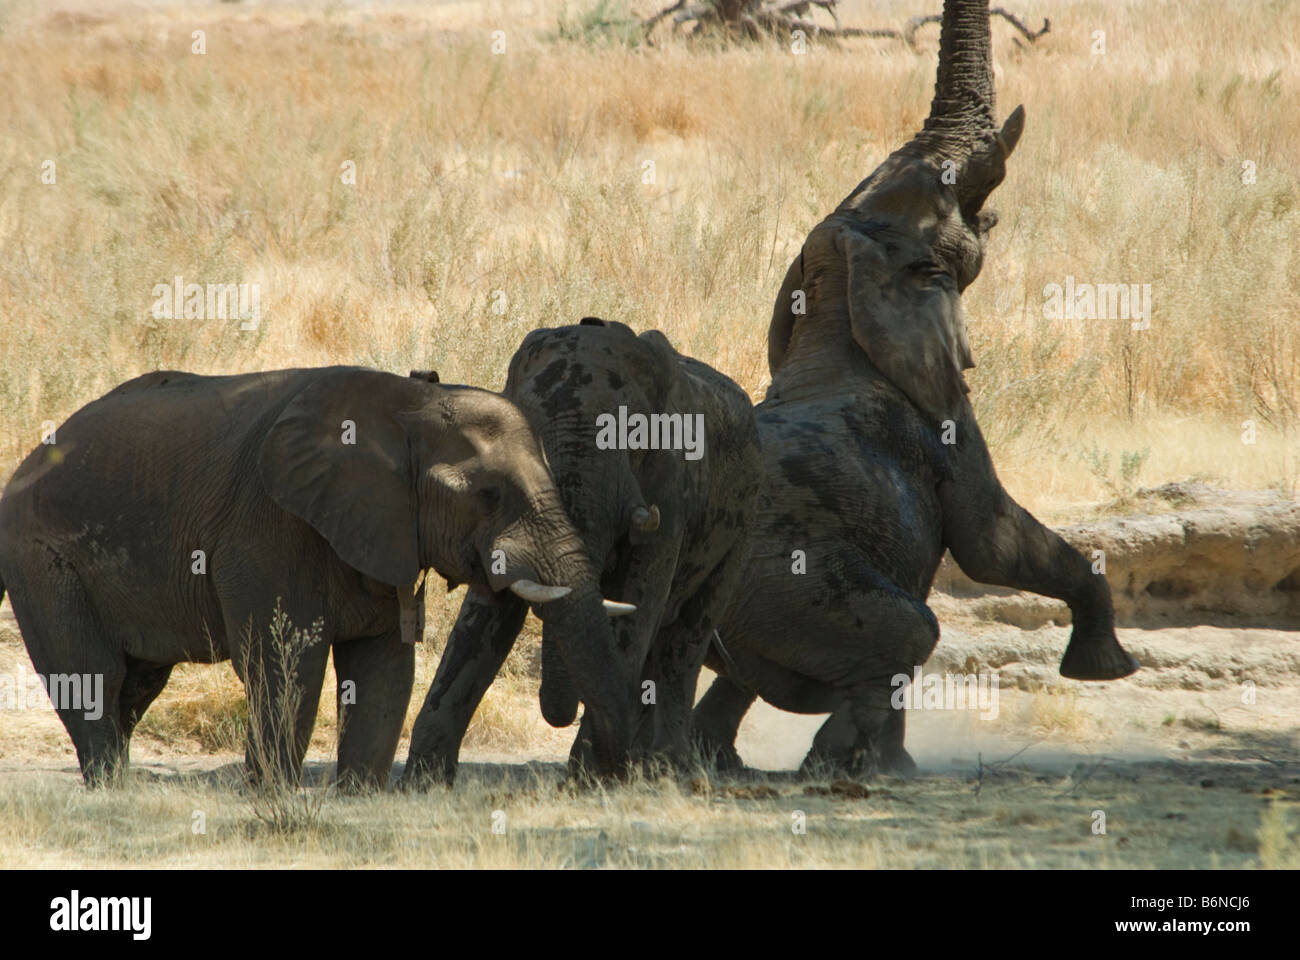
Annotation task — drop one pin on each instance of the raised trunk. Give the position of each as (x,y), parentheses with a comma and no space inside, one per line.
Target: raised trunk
(960,128)
(963,87)
(960,123)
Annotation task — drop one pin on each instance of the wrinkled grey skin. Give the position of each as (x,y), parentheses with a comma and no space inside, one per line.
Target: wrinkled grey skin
(97,534)
(678,575)
(856,473)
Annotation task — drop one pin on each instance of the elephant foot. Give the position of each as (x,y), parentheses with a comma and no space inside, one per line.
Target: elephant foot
(424,773)
(722,758)
(582,777)
(840,765)
(897,762)
(1096,655)
(860,763)
(351,783)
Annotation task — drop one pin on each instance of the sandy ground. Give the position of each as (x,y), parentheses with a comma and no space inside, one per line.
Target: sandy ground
(1185,773)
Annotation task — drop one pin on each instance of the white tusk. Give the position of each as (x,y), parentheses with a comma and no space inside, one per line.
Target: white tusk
(534,592)
(616,609)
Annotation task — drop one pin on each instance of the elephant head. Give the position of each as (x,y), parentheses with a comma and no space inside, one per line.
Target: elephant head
(894,256)
(564,379)
(401,475)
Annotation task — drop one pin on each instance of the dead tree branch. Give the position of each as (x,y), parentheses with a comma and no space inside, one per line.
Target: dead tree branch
(753,18)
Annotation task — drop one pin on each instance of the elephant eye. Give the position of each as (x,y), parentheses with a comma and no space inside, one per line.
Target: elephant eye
(490,497)
(931,270)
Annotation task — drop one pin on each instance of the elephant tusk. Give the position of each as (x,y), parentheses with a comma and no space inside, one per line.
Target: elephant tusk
(616,609)
(646,521)
(534,592)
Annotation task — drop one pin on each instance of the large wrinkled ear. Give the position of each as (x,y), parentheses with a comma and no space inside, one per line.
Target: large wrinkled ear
(783,315)
(915,338)
(338,458)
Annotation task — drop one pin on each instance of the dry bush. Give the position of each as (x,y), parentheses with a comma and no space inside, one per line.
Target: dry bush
(1057,711)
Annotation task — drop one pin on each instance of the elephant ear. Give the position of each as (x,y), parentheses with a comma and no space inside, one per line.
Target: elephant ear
(338,458)
(918,344)
(783,315)
(661,376)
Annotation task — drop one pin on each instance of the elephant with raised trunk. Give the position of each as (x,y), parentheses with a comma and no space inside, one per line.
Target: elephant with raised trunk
(171,519)
(873,462)
(664,526)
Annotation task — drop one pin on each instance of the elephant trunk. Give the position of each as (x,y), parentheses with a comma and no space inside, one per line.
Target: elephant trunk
(558,695)
(960,129)
(579,658)
(963,90)
(580,661)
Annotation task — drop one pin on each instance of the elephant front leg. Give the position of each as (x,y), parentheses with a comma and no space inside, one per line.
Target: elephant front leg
(679,653)
(995,540)
(483,636)
(375,675)
(282,670)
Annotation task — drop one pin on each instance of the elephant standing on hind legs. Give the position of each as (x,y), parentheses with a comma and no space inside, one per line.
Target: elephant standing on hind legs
(662,521)
(180,517)
(873,462)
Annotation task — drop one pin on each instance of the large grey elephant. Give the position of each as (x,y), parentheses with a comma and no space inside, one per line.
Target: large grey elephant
(873,461)
(168,521)
(663,525)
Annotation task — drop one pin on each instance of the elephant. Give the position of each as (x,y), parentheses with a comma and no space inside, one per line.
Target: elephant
(186,518)
(873,464)
(665,527)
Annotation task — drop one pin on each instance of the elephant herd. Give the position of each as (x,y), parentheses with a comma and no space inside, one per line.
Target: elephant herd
(632,498)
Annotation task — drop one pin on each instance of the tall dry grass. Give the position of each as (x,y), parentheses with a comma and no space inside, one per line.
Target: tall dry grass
(522,173)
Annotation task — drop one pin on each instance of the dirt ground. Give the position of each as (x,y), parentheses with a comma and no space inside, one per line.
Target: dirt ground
(1185,773)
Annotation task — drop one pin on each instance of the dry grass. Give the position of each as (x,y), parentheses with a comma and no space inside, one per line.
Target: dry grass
(1011,820)
(522,173)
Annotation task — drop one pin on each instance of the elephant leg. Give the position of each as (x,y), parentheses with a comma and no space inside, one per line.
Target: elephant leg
(484,633)
(283,668)
(681,649)
(716,721)
(870,713)
(375,675)
(835,748)
(81,667)
(995,540)
(859,634)
(141,686)
(832,747)
(894,758)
